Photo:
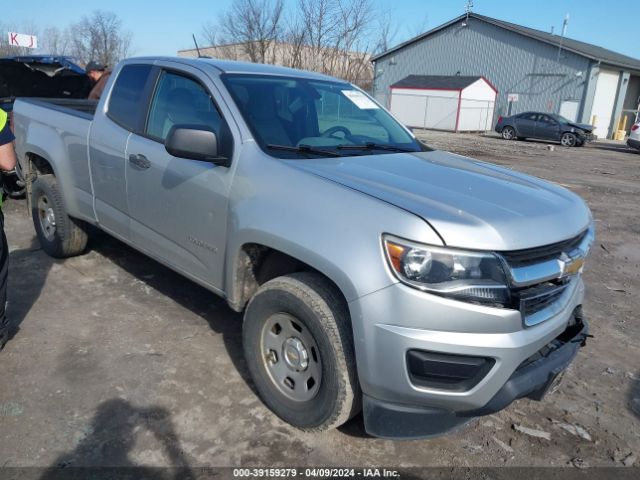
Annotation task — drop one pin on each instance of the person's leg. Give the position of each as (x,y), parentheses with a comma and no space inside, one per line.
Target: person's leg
(4,273)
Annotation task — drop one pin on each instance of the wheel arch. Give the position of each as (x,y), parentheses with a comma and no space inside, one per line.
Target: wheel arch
(255,263)
(36,162)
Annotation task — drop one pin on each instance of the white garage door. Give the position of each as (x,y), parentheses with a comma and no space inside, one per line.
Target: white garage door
(604,101)
(569,110)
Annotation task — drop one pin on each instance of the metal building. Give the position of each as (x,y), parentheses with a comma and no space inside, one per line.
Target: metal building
(531,69)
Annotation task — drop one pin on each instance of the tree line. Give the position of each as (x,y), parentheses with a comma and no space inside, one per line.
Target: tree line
(98,36)
(335,37)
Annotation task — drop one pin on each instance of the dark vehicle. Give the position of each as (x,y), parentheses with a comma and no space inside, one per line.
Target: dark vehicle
(545,126)
(41,76)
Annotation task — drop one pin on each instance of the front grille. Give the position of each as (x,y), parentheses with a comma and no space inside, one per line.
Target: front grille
(529,256)
(539,281)
(533,300)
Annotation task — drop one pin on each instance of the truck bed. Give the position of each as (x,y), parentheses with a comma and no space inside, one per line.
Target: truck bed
(78,107)
(58,131)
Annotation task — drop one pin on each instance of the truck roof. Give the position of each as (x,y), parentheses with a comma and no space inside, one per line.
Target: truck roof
(232,66)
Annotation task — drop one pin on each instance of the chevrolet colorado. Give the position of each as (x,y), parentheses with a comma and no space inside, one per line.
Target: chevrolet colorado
(376,274)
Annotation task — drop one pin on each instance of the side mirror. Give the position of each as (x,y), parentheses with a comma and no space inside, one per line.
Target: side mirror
(194,142)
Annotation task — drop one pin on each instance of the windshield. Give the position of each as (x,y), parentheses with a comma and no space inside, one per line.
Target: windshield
(296,117)
(561,119)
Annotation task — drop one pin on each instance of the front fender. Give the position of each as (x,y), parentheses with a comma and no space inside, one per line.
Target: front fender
(332,228)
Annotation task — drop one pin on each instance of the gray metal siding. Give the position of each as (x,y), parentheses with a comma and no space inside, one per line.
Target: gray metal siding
(513,63)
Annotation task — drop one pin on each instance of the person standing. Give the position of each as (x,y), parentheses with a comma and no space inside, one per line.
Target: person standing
(7,162)
(99,75)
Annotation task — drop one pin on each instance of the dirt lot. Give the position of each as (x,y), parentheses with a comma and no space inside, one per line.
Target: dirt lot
(115,360)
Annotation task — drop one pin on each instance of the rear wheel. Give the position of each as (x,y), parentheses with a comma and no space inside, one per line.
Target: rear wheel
(508,133)
(298,345)
(59,234)
(568,139)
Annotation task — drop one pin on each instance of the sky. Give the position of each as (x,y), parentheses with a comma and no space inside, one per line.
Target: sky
(163,27)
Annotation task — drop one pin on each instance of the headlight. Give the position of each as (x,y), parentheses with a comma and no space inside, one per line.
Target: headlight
(476,277)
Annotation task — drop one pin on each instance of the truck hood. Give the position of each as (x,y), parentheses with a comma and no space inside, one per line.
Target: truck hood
(471,204)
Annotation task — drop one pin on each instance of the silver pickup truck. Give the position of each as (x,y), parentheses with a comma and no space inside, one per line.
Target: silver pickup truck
(374,273)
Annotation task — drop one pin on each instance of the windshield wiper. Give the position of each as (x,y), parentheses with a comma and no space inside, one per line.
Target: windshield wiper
(303,149)
(374,146)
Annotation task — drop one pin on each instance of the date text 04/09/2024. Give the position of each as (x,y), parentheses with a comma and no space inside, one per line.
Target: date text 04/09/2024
(315,473)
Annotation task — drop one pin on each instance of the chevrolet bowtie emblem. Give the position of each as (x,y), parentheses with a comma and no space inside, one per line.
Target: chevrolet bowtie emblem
(571,266)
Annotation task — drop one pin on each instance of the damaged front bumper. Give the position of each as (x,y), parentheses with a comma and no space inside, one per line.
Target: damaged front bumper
(532,379)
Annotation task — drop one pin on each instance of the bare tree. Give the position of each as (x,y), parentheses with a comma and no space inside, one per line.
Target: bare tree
(100,37)
(254,24)
(387,30)
(335,37)
(320,24)
(55,41)
(294,41)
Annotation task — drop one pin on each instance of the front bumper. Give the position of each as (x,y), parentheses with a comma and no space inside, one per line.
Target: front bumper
(633,143)
(393,403)
(587,137)
(531,380)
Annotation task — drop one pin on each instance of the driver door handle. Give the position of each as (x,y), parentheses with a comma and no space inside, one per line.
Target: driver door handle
(139,161)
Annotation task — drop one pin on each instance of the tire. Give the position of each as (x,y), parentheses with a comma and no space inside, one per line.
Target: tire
(304,315)
(60,235)
(568,139)
(508,133)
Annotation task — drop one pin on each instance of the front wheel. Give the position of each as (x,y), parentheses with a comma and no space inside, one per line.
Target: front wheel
(298,345)
(508,133)
(568,139)
(59,235)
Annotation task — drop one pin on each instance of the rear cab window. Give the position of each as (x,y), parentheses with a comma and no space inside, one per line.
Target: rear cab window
(127,101)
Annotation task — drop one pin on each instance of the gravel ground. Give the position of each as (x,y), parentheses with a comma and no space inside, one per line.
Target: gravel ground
(116,360)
